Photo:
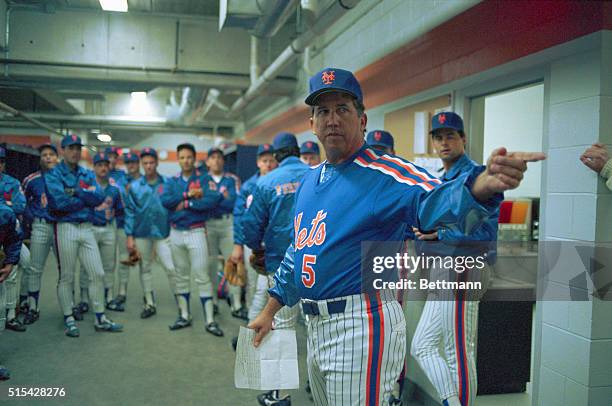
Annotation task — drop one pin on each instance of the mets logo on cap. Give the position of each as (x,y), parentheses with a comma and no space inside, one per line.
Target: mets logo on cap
(377,135)
(309,144)
(441,118)
(328,77)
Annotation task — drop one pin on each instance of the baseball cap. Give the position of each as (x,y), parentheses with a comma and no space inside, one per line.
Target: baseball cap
(213,150)
(380,138)
(446,119)
(2,153)
(51,146)
(264,148)
(333,80)
(310,147)
(284,140)
(100,157)
(130,157)
(148,151)
(112,150)
(72,139)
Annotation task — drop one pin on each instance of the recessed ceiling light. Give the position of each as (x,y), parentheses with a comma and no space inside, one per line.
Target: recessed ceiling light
(114,5)
(104,137)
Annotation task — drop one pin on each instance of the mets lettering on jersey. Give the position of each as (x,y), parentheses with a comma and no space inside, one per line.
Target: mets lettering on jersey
(10,191)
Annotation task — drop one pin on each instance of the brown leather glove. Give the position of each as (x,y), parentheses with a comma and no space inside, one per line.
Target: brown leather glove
(133,259)
(258,262)
(235,274)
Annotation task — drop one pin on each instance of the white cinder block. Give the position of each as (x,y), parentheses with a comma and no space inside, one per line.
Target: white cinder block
(605,119)
(552,388)
(574,123)
(575,77)
(575,393)
(601,320)
(601,363)
(584,216)
(566,353)
(606,71)
(600,396)
(557,208)
(604,216)
(556,313)
(580,315)
(566,174)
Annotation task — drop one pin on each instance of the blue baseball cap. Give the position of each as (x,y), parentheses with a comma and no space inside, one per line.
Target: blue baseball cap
(284,140)
(130,157)
(148,152)
(215,149)
(380,138)
(112,150)
(446,119)
(50,146)
(310,147)
(72,139)
(100,157)
(333,80)
(2,153)
(264,149)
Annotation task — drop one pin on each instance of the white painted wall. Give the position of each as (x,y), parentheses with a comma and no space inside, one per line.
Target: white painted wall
(514,119)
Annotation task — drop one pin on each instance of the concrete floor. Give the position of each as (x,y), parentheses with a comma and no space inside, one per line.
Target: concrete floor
(146,364)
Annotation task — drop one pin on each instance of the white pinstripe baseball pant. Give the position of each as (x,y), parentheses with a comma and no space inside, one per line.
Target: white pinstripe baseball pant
(163,251)
(106,239)
(17,277)
(220,237)
(449,321)
(72,241)
(41,243)
(190,256)
(355,357)
(122,270)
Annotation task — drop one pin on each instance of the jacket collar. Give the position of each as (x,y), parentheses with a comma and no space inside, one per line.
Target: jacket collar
(457,168)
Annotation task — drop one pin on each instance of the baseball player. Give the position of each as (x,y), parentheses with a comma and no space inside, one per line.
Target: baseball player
(147,227)
(10,240)
(219,227)
(381,140)
(452,323)
(267,224)
(357,341)
(310,153)
(257,285)
(189,197)
(12,194)
(104,225)
(120,179)
(41,239)
(597,159)
(72,197)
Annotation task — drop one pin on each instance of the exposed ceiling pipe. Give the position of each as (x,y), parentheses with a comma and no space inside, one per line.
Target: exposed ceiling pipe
(331,15)
(176,112)
(255,67)
(212,99)
(275,14)
(26,117)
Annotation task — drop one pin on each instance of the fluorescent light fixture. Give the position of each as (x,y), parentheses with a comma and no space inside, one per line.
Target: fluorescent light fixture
(114,5)
(139,96)
(104,137)
(139,104)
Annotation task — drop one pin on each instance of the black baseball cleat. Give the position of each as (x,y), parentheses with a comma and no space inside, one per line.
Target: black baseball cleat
(16,325)
(241,313)
(215,309)
(307,388)
(76,313)
(214,329)
(115,305)
(148,311)
(180,323)
(272,398)
(5,374)
(83,307)
(31,316)
(234,343)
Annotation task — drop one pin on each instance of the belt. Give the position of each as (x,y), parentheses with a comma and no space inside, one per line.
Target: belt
(223,216)
(313,308)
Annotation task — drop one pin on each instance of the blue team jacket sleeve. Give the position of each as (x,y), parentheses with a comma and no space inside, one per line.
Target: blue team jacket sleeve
(255,218)
(18,200)
(171,196)
(90,198)
(210,199)
(130,211)
(56,195)
(284,289)
(12,242)
(239,207)
(229,202)
(119,207)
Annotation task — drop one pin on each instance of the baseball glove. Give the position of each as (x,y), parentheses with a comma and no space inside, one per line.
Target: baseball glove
(133,259)
(235,273)
(258,262)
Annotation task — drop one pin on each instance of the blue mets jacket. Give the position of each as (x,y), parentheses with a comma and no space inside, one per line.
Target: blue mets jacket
(145,215)
(243,200)
(10,237)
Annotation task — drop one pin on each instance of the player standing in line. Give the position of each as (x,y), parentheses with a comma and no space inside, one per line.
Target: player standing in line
(189,197)
(356,340)
(452,322)
(310,153)
(219,227)
(257,285)
(267,225)
(41,239)
(12,194)
(10,241)
(382,141)
(597,159)
(147,226)
(72,196)
(132,165)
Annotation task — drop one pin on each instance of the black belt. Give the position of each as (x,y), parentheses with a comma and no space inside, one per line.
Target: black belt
(310,307)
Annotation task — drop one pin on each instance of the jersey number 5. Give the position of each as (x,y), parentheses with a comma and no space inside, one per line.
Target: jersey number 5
(308,273)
